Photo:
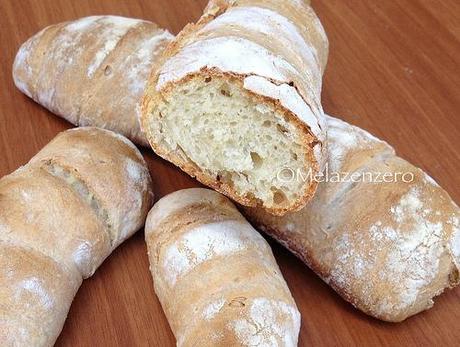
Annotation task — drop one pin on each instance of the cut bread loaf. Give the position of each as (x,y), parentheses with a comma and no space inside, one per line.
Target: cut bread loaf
(215,275)
(236,98)
(387,247)
(92,71)
(61,215)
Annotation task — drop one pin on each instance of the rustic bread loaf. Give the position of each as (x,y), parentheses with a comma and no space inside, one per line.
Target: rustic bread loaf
(236,97)
(61,215)
(389,248)
(215,276)
(92,71)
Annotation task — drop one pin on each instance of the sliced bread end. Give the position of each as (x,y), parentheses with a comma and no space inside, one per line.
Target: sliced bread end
(244,145)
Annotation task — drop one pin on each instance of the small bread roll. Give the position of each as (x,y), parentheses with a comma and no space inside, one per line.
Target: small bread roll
(215,276)
(61,215)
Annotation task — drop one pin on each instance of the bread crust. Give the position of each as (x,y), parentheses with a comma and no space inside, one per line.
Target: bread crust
(121,180)
(314,142)
(387,248)
(65,211)
(194,237)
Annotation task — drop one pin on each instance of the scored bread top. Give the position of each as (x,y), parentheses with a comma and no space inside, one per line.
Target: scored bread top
(215,276)
(387,247)
(113,170)
(92,71)
(23,195)
(91,183)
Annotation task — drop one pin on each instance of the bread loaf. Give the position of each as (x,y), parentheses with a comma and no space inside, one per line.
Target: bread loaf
(92,71)
(61,215)
(215,276)
(388,244)
(236,97)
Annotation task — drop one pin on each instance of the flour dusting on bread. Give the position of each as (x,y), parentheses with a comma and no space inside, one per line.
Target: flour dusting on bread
(118,27)
(269,321)
(215,276)
(204,243)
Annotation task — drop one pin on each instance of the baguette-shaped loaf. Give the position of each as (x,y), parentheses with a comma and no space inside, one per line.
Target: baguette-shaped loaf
(61,215)
(388,247)
(92,71)
(244,83)
(215,276)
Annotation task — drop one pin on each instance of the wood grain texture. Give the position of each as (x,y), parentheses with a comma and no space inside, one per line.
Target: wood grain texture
(393,70)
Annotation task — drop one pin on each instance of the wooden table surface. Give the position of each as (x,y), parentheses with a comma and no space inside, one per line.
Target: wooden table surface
(393,70)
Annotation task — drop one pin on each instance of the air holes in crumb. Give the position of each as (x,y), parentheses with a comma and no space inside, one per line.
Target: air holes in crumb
(208,79)
(256,160)
(279,197)
(224,90)
(108,70)
(294,156)
(267,124)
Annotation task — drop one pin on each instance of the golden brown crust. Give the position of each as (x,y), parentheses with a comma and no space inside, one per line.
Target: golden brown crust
(92,71)
(35,296)
(216,277)
(21,198)
(112,168)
